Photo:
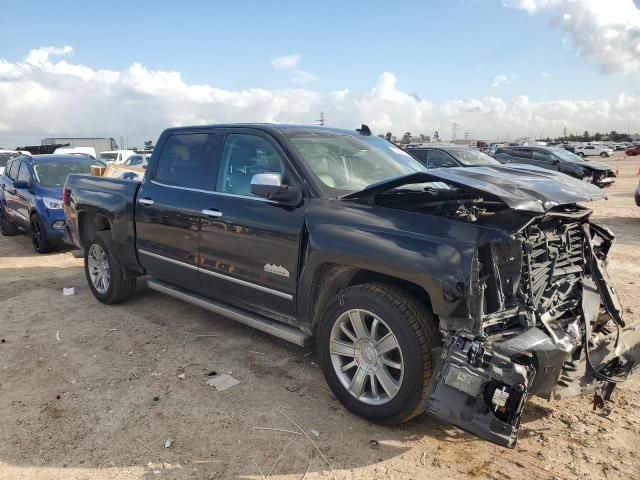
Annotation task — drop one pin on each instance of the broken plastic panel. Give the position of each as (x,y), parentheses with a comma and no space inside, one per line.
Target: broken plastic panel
(480,390)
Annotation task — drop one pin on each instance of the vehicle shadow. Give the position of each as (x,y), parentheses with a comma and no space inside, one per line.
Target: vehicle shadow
(626,229)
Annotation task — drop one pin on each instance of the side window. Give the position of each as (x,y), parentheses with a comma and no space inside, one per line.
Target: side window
(189,161)
(7,168)
(521,153)
(419,154)
(438,158)
(13,170)
(542,156)
(243,156)
(23,174)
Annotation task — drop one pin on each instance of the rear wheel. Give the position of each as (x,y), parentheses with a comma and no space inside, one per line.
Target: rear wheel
(375,349)
(7,227)
(580,154)
(39,237)
(104,272)
(604,154)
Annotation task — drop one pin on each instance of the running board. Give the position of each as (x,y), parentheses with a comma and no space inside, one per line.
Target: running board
(285,332)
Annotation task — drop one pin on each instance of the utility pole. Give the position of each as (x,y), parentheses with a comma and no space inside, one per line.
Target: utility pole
(454,127)
(564,132)
(467,135)
(320,121)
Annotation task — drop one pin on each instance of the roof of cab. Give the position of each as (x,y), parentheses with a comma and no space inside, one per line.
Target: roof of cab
(50,158)
(280,127)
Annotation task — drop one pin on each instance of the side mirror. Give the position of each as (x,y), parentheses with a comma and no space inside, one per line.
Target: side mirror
(21,185)
(269,185)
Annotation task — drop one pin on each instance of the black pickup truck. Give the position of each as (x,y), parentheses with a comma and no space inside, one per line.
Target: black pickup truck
(456,291)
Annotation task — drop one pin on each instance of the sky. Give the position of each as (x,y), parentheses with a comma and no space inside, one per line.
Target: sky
(499,69)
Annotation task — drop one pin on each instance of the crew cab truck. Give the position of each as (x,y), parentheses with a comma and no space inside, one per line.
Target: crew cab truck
(457,291)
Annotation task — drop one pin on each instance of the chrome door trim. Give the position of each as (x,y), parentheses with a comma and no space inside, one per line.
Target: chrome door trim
(212,192)
(219,275)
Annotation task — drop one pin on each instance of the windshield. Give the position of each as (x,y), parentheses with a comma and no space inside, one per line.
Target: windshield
(472,158)
(566,155)
(6,156)
(343,163)
(54,174)
(107,157)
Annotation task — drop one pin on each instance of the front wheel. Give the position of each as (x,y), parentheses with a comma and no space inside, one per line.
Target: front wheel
(375,349)
(104,272)
(39,238)
(580,154)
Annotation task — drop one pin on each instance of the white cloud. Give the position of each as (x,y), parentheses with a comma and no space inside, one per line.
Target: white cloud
(285,62)
(46,94)
(501,80)
(546,75)
(606,32)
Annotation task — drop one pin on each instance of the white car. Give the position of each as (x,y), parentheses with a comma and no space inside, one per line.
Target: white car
(5,156)
(75,151)
(138,160)
(118,156)
(594,151)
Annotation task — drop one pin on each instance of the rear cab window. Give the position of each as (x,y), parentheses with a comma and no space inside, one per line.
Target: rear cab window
(189,160)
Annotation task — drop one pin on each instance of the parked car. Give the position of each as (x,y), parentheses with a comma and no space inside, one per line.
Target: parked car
(451,156)
(118,156)
(138,160)
(599,174)
(31,196)
(568,147)
(632,150)
(593,151)
(308,232)
(89,151)
(5,156)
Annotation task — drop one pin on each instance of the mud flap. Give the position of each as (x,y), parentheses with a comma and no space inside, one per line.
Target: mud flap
(480,390)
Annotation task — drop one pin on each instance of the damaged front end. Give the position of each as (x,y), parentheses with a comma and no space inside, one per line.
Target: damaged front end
(544,320)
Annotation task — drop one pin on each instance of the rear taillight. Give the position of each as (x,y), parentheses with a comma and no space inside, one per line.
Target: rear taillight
(66,196)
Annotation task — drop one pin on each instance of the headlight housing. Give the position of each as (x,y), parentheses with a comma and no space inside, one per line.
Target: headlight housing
(52,203)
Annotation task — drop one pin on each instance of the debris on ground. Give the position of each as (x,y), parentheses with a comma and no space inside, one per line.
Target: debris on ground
(182,376)
(222,382)
(167,443)
(68,291)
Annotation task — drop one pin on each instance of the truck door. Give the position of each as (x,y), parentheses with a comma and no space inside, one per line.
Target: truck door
(249,246)
(169,205)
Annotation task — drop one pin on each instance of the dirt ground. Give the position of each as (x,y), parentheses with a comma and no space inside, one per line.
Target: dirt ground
(89,391)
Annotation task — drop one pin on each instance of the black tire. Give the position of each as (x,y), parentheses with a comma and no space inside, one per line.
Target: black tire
(39,237)
(119,288)
(7,227)
(580,154)
(604,154)
(417,335)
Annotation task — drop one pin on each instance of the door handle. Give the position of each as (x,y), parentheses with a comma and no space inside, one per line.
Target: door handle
(212,213)
(145,201)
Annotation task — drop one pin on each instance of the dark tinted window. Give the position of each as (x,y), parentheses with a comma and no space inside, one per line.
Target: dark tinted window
(24,174)
(520,153)
(419,154)
(542,155)
(244,156)
(438,158)
(189,160)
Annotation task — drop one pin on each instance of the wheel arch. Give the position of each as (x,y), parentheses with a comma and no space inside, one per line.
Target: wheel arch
(89,224)
(331,278)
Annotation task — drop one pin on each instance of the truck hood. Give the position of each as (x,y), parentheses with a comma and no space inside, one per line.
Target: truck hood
(529,189)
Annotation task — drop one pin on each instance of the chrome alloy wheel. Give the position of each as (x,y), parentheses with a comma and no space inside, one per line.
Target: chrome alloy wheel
(366,357)
(99,269)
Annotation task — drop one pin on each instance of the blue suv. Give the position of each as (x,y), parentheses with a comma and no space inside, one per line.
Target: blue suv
(31,196)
